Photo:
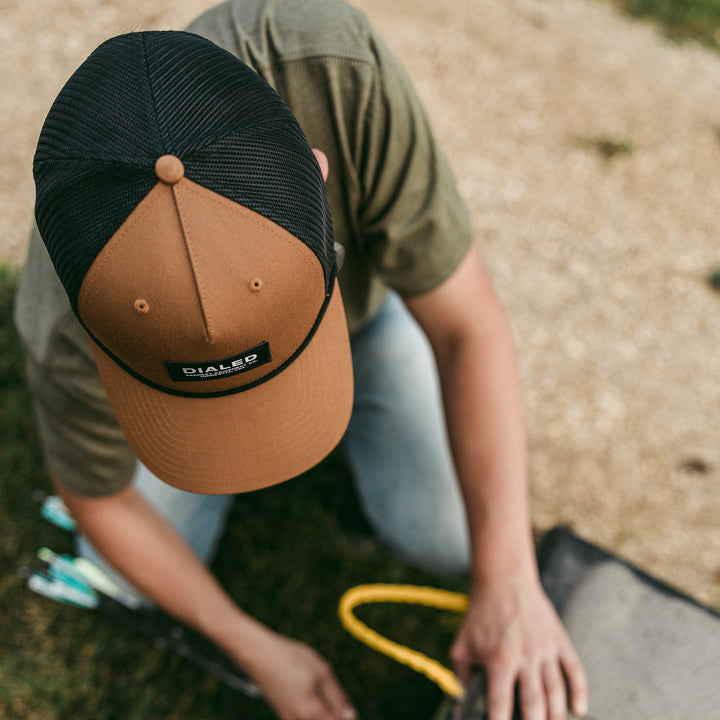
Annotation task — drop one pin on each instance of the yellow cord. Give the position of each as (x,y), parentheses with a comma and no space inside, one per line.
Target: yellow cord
(431,597)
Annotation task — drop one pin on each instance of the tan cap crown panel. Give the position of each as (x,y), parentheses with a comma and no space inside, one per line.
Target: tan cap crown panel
(192,276)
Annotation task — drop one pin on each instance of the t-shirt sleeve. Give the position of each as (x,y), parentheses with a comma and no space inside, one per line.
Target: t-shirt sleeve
(82,441)
(415,225)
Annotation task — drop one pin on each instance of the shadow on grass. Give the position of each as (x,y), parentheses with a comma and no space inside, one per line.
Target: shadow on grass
(287,556)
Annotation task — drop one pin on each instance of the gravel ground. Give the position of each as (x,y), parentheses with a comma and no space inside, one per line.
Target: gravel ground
(587,148)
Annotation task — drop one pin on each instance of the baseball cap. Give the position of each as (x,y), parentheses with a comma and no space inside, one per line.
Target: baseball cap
(186,216)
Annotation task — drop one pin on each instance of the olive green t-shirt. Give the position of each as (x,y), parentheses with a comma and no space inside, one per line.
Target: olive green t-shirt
(395,209)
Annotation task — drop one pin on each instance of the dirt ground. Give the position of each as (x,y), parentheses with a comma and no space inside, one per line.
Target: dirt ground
(587,148)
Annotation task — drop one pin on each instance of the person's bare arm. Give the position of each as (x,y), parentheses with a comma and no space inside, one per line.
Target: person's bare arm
(152,555)
(511,628)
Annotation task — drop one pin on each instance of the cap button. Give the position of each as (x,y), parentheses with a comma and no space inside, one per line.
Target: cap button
(169,169)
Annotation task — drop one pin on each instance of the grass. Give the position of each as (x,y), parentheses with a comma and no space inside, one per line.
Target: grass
(714,280)
(608,147)
(680,20)
(287,556)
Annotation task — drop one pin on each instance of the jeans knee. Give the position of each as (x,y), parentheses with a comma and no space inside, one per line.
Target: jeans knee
(438,544)
(448,559)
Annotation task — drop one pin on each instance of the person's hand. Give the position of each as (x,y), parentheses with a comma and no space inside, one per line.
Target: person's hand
(514,633)
(297,683)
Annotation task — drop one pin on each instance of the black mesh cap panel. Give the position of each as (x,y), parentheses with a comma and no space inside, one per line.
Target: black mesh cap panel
(143,95)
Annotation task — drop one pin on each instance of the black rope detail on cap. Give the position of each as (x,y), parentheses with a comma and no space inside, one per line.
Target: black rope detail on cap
(231,391)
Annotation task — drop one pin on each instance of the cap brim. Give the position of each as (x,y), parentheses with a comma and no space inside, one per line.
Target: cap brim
(248,440)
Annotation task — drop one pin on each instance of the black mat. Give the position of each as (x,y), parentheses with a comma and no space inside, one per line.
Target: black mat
(651,652)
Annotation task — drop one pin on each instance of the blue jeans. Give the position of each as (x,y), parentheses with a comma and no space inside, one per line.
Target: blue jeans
(396,444)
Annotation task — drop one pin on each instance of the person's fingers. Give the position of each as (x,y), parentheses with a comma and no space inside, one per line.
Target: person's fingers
(335,699)
(576,680)
(532,694)
(321,157)
(555,691)
(461,663)
(320,712)
(500,693)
